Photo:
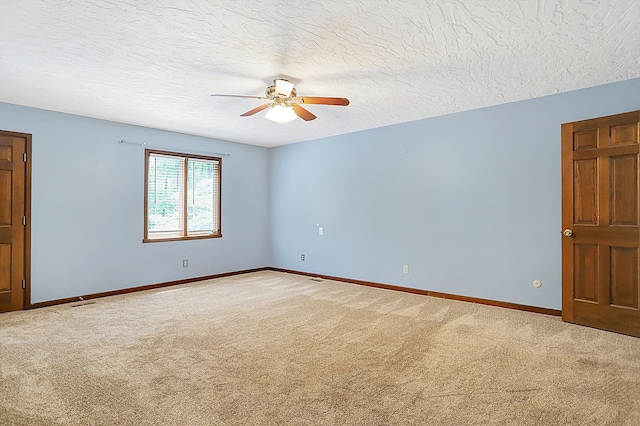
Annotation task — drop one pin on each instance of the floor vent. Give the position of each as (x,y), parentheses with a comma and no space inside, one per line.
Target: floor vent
(83,304)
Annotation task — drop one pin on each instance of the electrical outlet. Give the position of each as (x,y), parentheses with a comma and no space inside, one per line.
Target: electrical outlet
(405,269)
(185,263)
(302,257)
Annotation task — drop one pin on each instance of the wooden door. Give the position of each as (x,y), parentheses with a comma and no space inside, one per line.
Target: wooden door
(14,199)
(600,219)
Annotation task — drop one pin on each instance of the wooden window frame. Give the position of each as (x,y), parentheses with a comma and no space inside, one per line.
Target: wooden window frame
(218,199)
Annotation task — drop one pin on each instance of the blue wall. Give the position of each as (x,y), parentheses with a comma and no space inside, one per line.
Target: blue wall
(471,202)
(87,206)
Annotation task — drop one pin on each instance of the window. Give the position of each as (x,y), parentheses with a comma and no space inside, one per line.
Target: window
(181,196)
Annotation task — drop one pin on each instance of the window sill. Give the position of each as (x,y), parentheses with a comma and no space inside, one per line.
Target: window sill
(195,237)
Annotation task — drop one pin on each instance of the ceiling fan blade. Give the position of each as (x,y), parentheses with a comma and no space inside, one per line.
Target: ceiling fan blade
(238,96)
(255,110)
(323,101)
(303,113)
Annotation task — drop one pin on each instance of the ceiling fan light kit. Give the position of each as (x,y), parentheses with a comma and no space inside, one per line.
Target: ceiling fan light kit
(280,114)
(284,105)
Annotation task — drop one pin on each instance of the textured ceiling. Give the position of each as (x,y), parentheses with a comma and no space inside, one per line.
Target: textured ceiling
(155,63)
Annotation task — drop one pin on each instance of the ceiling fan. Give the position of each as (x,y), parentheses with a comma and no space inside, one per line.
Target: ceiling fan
(284,103)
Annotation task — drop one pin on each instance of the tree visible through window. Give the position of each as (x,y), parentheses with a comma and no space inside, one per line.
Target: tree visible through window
(182,196)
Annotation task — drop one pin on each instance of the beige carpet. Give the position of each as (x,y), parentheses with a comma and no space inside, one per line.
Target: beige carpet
(270,348)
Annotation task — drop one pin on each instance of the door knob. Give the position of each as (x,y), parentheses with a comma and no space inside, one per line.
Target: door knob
(567,233)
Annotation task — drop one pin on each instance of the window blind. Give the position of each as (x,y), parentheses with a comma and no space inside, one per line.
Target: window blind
(183,196)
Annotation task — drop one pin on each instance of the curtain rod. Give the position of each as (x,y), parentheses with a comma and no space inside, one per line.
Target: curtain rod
(144,145)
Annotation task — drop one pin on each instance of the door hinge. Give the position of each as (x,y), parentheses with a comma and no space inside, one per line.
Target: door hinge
(24,157)
(24,283)
(24,221)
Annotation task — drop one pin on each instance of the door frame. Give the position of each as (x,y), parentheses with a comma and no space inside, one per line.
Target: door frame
(26,300)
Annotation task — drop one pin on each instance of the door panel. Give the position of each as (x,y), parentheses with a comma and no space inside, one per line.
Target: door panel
(585,281)
(624,190)
(13,211)
(625,134)
(5,197)
(586,192)
(587,139)
(601,209)
(624,277)
(5,267)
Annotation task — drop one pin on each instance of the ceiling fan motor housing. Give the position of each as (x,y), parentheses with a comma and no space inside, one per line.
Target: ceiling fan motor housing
(281,89)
